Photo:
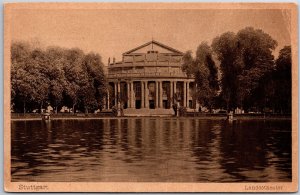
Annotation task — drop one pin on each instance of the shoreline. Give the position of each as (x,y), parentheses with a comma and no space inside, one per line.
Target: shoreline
(154,117)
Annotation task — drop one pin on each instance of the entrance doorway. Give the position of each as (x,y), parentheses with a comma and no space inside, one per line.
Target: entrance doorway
(138,104)
(151,104)
(165,104)
(190,104)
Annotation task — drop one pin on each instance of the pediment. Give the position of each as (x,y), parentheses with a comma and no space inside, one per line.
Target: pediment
(155,46)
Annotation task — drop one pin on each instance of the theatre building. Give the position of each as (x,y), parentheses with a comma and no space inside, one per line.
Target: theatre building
(149,79)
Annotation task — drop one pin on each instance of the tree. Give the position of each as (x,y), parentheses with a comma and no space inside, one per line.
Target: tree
(29,83)
(20,53)
(204,56)
(226,48)
(72,69)
(188,65)
(283,80)
(86,94)
(93,66)
(256,49)
(56,92)
(246,59)
(57,76)
(40,82)
(21,85)
(205,72)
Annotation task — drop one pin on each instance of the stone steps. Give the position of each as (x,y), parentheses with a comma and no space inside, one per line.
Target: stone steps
(148,112)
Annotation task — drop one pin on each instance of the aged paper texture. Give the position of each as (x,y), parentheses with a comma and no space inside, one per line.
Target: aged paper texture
(150,97)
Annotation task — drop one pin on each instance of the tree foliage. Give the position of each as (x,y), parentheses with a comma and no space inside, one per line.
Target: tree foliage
(55,77)
(246,60)
(283,81)
(226,48)
(250,77)
(205,72)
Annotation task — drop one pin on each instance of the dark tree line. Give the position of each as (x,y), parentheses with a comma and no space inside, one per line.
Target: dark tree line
(250,78)
(57,77)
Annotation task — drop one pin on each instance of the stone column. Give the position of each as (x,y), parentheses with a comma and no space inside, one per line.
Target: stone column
(119,89)
(171,92)
(142,95)
(146,95)
(156,94)
(197,104)
(128,94)
(132,95)
(175,86)
(184,94)
(175,90)
(116,93)
(160,94)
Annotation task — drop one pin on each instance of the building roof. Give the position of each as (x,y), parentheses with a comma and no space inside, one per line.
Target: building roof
(155,43)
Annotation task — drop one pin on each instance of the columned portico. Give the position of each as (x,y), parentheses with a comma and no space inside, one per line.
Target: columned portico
(150,80)
(159,93)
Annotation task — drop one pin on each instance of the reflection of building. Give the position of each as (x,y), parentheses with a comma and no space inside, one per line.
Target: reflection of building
(150,77)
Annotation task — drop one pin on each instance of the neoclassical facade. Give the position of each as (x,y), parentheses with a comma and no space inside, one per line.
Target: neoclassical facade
(150,77)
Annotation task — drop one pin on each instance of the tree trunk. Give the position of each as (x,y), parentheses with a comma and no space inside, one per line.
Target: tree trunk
(73,109)
(41,107)
(24,107)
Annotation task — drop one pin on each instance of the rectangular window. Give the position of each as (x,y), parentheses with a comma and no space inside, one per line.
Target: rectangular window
(166,88)
(137,89)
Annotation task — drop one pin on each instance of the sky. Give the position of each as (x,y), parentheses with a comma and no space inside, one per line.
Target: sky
(111,32)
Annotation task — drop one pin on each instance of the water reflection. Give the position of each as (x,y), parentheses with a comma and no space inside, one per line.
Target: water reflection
(151,149)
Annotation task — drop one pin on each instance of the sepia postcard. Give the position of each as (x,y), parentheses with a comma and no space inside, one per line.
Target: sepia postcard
(150,97)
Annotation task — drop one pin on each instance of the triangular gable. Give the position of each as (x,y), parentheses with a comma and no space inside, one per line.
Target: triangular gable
(165,47)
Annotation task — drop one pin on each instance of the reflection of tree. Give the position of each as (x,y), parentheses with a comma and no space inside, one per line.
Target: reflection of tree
(246,151)
(203,147)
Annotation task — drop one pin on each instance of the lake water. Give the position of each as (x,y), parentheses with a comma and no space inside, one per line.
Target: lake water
(151,150)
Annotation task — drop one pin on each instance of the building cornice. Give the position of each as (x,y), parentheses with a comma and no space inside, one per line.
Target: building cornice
(155,43)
